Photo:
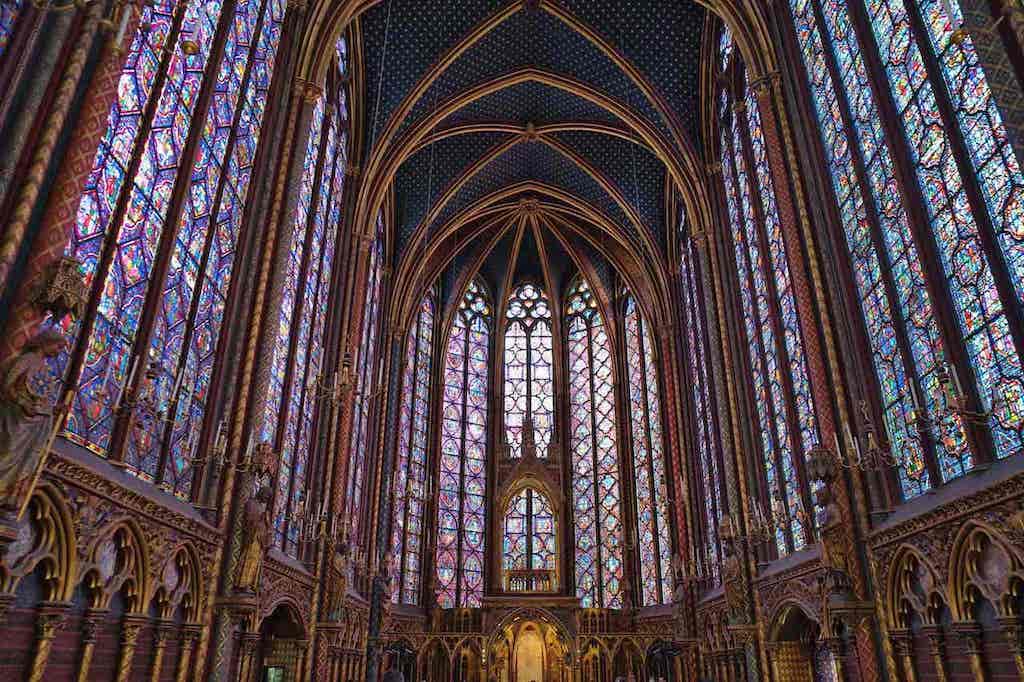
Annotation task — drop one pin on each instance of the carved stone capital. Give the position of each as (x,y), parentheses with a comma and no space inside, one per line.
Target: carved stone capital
(766,83)
(902,642)
(970,634)
(308,90)
(63,290)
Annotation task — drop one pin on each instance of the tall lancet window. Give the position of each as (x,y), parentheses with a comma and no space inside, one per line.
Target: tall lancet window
(597,498)
(923,172)
(710,484)
(653,532)
(411,459)
(156,232)
(296,381)
(529,391)
(460,532)
(367,384)
(780,382)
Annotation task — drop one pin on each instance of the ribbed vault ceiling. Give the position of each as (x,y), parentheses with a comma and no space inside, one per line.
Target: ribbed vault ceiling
(477,108)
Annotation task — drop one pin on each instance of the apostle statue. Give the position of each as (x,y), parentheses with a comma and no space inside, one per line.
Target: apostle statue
(256,536)
(26,417)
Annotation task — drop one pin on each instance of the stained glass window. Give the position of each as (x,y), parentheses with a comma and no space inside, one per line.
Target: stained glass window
(528,538)
(529,392)
(780,383)
(297,382)
(947,122)
(9,10)
(597,499)
(411,459)
(653,532)
(366,386)
(140,248)
(698,377)
(460,532)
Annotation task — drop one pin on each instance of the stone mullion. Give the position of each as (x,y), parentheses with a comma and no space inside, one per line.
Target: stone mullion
(594,458)
(624,436)
(108,248)
(784,358)
(63,197)
(972,187)
(175,215)
(852,299)
(126,418)
(254,370)
(292,372)
(206,482)
(979,439)
(998,44)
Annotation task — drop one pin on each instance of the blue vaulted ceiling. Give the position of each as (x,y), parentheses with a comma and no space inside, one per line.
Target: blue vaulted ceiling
(404,40)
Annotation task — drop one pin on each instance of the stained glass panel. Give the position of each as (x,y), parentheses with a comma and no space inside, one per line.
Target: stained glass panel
(9,10)
(979,311)
(597,514)
(411,458)
(528,539)
(461,489)
(529,391)
(654,545)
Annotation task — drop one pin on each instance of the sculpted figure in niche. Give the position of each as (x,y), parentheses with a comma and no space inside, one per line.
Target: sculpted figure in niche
(26,417)
(256,536)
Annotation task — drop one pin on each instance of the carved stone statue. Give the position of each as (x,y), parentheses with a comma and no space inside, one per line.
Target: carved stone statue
(337,585)
(732,574)
(26,417)
(256,536)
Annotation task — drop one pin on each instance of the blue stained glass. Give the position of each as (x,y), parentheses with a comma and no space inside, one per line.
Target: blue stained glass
(9,11)
(979,311)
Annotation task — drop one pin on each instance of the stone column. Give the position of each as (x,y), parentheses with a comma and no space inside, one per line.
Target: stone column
(189,637)
(49,620)
(937,650)
(970,634)
(1014,633)
(903,648)
(91,621)
(64,195)
(161,633)
(130,628)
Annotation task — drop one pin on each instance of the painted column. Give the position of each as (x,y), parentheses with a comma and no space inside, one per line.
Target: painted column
(970,634)
(189,636)
(64,196)
(49,620)
(1014,633)
(161,633)
(903,649)
(91,622)
(130,628)
(937,650)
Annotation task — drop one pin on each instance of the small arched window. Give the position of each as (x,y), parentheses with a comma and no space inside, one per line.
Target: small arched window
(528,541)
(529,388)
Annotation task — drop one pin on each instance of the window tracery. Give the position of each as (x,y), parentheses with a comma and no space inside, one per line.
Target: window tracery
(650,482)
(942,337)
(529,388)
(159,267)
(409,491)
(463,476)
(596,494)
